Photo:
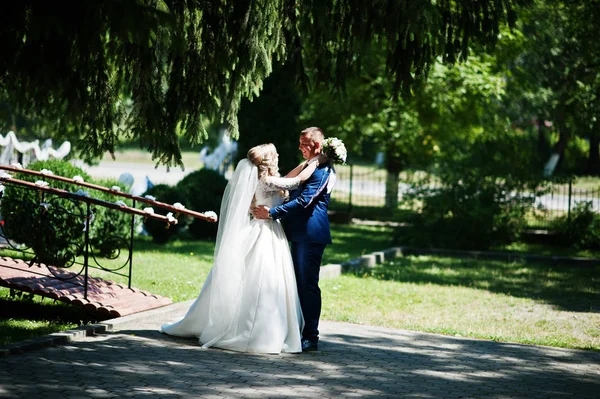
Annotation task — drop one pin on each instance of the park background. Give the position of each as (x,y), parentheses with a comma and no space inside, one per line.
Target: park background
(464,134)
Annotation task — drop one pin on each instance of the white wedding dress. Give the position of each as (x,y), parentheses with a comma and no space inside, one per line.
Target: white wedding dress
(249,301)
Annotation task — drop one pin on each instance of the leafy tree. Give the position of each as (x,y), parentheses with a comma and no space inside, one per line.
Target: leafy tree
(151,68)
(452,106)
(272,118)
(553,71)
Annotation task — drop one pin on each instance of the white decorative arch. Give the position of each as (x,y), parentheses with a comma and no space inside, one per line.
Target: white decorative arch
(221,157)
(30,151)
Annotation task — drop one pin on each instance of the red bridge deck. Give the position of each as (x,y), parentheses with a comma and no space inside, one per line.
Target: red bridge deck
(105,297)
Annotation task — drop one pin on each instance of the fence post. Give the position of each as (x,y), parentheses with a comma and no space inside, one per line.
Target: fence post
(569,204)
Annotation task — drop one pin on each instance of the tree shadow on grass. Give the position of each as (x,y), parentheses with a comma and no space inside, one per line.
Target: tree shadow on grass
(573,288)
(352,241)
(24,318)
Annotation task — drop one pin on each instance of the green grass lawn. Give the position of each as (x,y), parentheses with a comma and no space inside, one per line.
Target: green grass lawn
(502,301)
(511,302)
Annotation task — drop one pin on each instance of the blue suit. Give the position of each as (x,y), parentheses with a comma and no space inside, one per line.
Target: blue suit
(306,225)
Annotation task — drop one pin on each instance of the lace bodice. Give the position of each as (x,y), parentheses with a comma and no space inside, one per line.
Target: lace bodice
(268,192)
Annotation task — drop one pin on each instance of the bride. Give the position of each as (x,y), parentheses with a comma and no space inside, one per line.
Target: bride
(249,301)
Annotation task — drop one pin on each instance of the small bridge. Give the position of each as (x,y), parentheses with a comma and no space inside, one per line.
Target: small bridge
(52,266)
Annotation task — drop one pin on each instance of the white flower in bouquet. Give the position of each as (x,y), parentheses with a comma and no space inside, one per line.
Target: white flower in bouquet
(178,206)
(78,179)
(149,211)
(41,183)
(115,188)
(46,172)
(335,149)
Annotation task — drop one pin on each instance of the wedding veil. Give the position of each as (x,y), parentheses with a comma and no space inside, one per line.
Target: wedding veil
(232,244)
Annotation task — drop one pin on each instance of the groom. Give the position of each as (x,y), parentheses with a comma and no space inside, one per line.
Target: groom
(307,227)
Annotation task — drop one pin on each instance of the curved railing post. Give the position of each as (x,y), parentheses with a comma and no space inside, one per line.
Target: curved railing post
(86,247)
(131,246)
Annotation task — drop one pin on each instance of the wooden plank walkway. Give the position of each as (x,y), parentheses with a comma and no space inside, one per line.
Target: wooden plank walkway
(105,297)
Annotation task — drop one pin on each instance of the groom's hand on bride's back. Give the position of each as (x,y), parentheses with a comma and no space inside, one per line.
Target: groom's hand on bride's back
(261,212)
(322,158)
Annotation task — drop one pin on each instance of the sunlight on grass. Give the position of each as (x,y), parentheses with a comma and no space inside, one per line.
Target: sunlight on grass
(508,302)
(175,270)
(542,304)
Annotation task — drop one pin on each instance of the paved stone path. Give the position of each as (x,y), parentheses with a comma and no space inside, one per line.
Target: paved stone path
(136,361)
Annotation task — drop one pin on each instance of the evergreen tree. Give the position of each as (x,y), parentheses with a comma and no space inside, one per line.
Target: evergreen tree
(272,118)
(152,68)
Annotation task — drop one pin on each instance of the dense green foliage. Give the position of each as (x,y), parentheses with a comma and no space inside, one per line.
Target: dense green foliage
(581,228)
(53,226)
(201,191)
(159,231)
(480,200)
(150,69)
(272,118)
(551,66)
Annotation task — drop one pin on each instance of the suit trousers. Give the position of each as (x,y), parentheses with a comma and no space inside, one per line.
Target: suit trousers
(307,263)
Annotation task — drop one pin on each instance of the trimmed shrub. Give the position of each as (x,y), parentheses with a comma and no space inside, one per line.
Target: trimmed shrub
(54,226)
(160,231)
(203,191)
(582,229)
(484,191)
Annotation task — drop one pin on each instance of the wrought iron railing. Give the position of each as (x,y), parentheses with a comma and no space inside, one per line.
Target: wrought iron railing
(54,230)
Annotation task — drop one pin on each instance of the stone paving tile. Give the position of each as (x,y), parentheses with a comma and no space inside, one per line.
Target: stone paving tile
(136,361)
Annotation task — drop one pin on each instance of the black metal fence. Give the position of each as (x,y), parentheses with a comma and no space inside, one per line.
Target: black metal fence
(361,191)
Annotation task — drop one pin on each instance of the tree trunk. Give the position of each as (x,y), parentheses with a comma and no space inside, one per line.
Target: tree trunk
(564,136)
(543,145)
(593,165)
(393,166)
(391,190)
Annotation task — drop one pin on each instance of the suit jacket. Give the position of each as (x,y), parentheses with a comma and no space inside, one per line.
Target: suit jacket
(304,216)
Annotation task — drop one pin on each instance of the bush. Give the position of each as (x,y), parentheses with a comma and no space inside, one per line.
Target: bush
(53,226)
(110,226)
(203,191)
(582,229)
(467,217)
(485,190)
(160,231)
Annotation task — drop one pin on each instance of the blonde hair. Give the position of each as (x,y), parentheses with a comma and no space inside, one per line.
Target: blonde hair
(264,156)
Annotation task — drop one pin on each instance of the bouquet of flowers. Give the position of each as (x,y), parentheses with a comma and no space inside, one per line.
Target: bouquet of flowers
(335,150)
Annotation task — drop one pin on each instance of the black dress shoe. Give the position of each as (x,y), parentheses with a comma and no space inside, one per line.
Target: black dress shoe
(309,346)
